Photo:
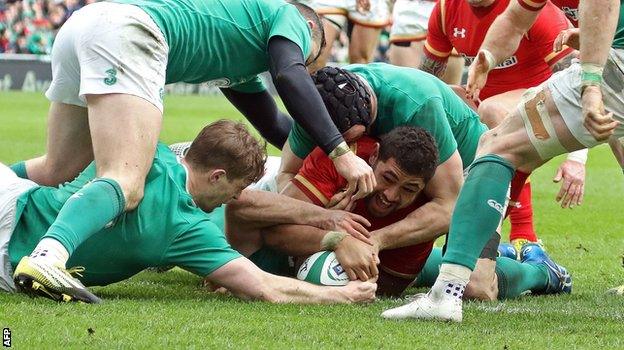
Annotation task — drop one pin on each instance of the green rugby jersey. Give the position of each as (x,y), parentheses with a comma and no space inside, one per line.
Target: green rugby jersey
(224,41)
(412,97)
(167,228)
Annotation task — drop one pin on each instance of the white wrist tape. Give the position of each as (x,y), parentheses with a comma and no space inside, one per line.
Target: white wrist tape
(578,156)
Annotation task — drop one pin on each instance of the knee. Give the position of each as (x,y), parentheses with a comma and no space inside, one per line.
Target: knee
(491,112)
(483,286)
(132,190)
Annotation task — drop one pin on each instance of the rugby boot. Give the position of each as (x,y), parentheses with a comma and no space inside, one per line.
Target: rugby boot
(51,281)
(559,279)
(507,250)
(435,305)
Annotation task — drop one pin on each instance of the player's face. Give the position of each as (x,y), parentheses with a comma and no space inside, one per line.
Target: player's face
(395,188)
(480,3)
(220,192)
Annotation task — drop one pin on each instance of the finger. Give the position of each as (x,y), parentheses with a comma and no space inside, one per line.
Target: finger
(558,175)
(337,198)
(360,219)
(565,201)
(557,44)
(361,274)
(361,189)
(581,195)
(576,197)
(359,236)
(351,274)
(359,228)
(563,190)
(373,268)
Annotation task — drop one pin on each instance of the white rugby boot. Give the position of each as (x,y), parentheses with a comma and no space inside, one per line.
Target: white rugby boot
(441,304)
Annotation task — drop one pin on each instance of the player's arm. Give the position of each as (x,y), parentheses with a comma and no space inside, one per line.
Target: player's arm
(437,46)
(267,209)
(303,102)
(262,112)
(433,218)
(501,41)
(598,21)
(289,166)
(245,280)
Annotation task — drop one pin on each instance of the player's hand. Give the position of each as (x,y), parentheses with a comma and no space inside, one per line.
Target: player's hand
(569,37)
(362,6)
(360,292)
(477,76)
(595,119)
(353,224)
(341,201)
(358,259)
(358,174)
(571,174)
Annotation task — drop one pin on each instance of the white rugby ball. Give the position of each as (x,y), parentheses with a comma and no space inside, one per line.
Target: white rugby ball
(323,268)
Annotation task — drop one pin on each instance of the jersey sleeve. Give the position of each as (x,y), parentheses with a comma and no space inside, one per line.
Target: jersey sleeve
(252,86)
(201,249)
(532,5)
(290,24)
(437,46)
(430,114)
(318,178)
(300,142)
(550,22)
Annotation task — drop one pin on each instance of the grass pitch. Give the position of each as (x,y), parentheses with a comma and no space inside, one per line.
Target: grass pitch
(172,311)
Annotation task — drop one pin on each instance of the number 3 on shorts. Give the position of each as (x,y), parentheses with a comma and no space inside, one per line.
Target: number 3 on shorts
(111,78)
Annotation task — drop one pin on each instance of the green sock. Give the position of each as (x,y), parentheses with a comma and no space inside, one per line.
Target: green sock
(429,273)
(86,212)
(515,278)
(19,169)
(478,210)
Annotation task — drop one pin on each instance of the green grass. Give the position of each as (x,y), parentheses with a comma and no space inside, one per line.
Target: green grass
(171,310)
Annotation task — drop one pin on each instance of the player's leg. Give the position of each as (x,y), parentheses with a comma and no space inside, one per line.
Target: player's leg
(68,149)
(492,111)
(125,114)
(406,54)
(454,70)
(362,44)
(332,25)
(483,284)
(366,29)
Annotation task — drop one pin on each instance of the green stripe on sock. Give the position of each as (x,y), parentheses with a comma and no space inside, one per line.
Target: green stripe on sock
(478,210)
(87,212)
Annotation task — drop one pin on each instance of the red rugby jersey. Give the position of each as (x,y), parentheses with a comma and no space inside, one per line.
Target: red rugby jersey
(569,7)
(456,24)
(319,180)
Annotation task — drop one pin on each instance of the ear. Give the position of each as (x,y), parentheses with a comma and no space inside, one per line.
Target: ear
(311,24)
(216,175)
(374,155)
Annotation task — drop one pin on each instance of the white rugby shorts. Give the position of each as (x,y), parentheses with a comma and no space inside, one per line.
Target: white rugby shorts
(410,19)
(11,187)
(107,48)
(565,88)
(339,11)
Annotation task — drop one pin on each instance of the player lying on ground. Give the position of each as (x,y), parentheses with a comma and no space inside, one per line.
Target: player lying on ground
(460,25)
(394,96)
(169,227)
(398,162)
(403,160)
(567,113)
(110,63)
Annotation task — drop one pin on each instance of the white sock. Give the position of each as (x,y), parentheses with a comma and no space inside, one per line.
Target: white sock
(51,251)
(451,281)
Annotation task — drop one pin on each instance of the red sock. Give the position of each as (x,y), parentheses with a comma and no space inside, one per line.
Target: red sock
(521,216)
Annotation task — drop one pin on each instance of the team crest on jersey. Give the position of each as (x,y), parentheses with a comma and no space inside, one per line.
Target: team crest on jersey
(459,33)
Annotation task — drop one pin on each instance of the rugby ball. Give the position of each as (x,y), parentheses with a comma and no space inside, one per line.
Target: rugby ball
(323,268)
